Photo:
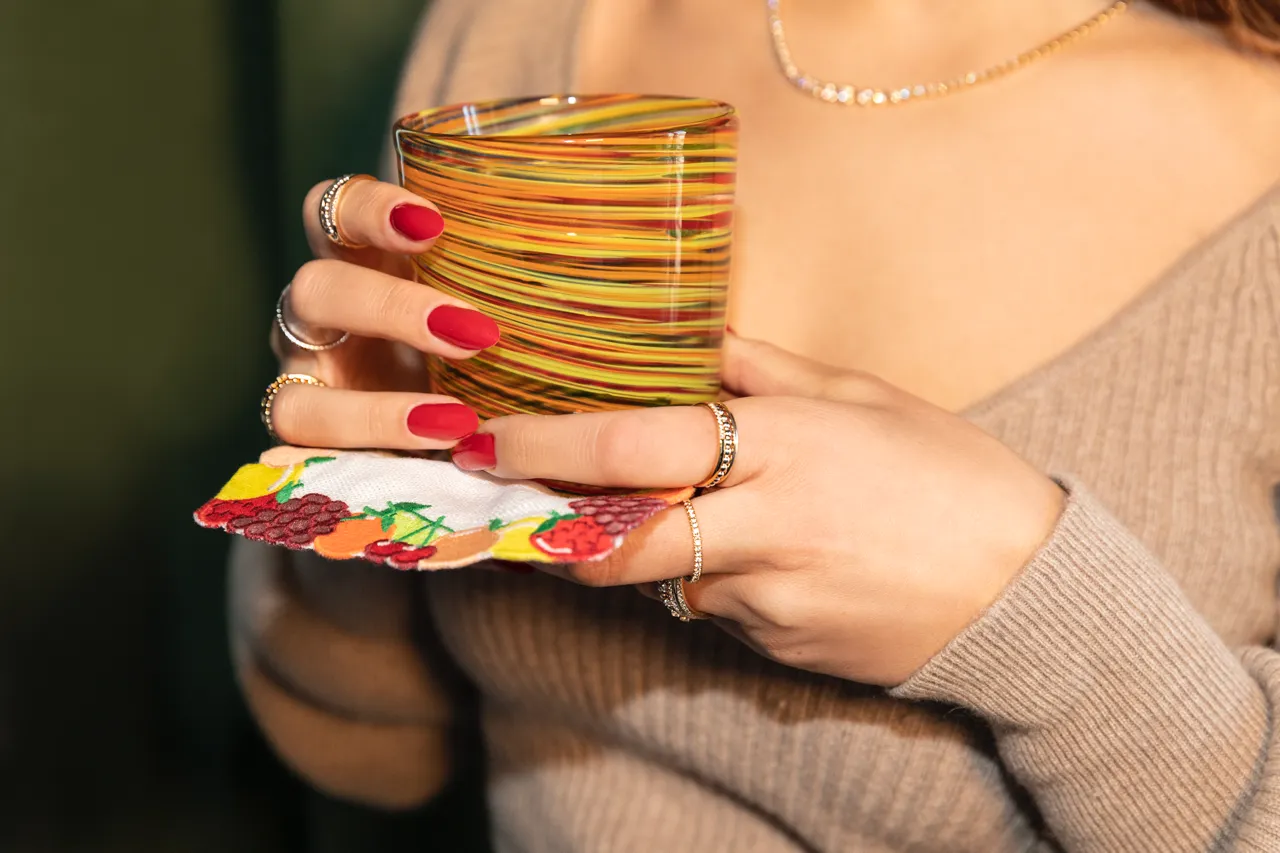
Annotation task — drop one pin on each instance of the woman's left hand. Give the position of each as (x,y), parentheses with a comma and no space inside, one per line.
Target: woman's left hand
(860,529)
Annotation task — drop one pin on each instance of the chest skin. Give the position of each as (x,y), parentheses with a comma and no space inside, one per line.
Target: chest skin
(955,245)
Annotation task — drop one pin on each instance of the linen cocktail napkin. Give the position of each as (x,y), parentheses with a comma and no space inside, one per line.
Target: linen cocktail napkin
(412,513)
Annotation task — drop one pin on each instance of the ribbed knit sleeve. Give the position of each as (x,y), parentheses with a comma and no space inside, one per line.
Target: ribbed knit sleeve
(1131,723)
(327,659)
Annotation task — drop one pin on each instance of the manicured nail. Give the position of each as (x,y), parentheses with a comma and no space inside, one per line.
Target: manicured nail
(417,222)
(442,421)
(463,327)
(475,452)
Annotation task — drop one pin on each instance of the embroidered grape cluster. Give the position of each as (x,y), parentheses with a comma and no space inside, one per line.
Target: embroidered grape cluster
(617,515)
(295,523)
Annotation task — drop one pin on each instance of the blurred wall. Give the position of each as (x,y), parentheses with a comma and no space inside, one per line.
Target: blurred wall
(153,157)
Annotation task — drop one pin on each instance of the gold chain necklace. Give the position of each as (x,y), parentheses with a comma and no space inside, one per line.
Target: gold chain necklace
(847,94)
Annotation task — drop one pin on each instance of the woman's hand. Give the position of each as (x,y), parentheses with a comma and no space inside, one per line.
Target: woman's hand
(860,529)
(377,378)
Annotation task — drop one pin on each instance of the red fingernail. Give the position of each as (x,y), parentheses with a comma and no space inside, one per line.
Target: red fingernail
(442,421)
(475,452)
(417,222)
(462,327)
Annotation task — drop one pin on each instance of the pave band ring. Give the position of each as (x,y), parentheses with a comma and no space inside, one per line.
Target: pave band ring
(672,590)
(727,428)
(294,337)
(329,210)
(672,594)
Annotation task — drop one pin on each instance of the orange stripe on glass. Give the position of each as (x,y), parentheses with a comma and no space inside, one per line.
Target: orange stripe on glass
(595,230)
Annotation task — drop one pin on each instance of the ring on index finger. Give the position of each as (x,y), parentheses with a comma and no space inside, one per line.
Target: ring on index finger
(329,222)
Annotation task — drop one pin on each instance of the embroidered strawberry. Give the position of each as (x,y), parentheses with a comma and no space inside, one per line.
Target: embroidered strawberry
(618,513)
(572,538)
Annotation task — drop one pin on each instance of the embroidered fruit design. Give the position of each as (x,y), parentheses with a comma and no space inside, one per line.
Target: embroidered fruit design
(397,555)
(254,481)
(618,514)
(572,538)
(294,522)
(399,535)
(349,538)
(464,545)
(514,543)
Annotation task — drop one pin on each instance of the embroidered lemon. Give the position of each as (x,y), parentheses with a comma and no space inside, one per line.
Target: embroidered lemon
(254,481)
(514,543)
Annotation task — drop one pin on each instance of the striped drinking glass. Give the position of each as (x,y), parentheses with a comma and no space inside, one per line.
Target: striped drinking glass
(595,230)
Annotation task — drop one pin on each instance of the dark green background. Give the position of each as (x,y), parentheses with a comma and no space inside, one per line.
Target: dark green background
(153,157)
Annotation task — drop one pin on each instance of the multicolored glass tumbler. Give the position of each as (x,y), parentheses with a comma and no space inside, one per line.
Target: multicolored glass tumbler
(595,230)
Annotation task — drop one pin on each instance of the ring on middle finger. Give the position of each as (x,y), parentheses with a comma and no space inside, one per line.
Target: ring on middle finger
(727,432)
(295,337)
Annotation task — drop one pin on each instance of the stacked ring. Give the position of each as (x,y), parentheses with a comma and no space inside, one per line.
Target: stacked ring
(269,396)
(672,591)
(672,594)
(329,210)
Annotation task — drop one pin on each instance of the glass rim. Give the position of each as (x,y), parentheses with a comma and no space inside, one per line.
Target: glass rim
(721,114)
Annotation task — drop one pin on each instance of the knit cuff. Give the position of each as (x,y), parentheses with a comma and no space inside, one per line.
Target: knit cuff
(1110,697)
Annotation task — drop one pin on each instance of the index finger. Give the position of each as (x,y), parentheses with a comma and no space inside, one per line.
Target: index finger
(669,447)
(374,214)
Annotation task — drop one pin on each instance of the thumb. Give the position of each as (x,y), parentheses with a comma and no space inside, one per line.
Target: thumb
(757,369)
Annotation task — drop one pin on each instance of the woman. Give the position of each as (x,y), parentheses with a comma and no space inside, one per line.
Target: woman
(995,569)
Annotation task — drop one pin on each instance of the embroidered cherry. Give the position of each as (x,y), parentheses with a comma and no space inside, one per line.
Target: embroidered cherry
(408,558)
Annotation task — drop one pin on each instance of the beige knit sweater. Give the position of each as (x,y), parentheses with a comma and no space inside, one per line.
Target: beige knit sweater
(1119,695)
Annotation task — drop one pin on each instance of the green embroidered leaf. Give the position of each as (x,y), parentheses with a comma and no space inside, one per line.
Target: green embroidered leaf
(316,460)
(555,519)
(286,493)
(414,529)
(495,524)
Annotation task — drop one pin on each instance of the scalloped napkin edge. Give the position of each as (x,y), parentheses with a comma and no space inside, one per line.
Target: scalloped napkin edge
(412,513)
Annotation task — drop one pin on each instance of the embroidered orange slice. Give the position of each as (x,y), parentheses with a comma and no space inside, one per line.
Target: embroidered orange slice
(351,537)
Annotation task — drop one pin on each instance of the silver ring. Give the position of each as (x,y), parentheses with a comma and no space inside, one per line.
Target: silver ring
(298,340)
(727,427)
(672,594)
(329,210)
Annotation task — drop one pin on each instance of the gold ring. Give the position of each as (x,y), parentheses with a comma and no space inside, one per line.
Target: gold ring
(697,542)
(727,428)
(329,210)
(269,397)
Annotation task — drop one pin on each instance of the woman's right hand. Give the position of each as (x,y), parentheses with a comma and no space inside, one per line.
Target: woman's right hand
(376,394)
